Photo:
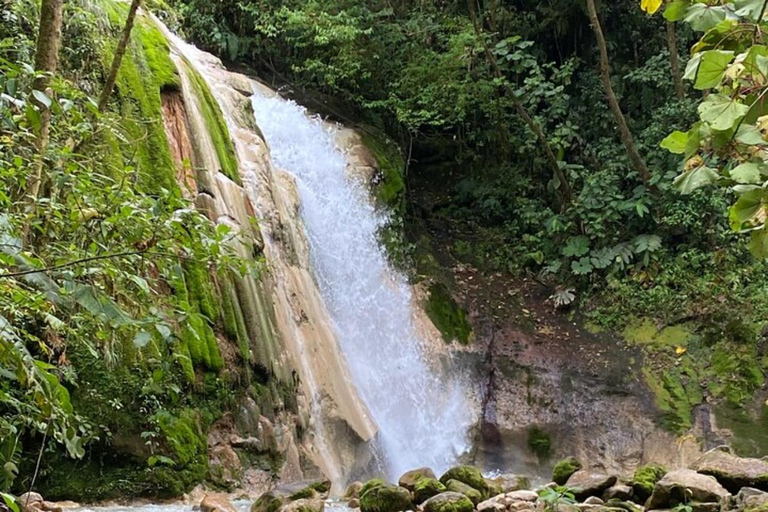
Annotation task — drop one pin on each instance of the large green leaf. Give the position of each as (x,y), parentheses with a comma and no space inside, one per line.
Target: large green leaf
(693,179)
(713,65)
(758,243)
(675,142)
(721,112)
(750,135)
(749,8)
(675,10)
(703,17)
(750,210)
(748,172)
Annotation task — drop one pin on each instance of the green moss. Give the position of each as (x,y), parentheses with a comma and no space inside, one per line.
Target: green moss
(390,190)
(644,332)
(234,323)
(564,469)
(469,475)
(370,484)
(470,492)
(539,442)
(645,479)
(217,126)
(385,498)
(737,372)
(749,424)
(425,488)
(268,502)
(446,504)
(677,392)
(450,319)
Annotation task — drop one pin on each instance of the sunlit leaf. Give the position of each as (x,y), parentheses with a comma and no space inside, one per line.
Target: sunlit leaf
(675,142)
(721,112)
(695,178)
(713,65)
(650,6)
(748,172)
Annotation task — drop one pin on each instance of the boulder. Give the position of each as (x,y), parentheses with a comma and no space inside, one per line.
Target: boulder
(626,506)
(370,484)
(594,500)
(522,495)
(385,498)
(495,504)
(585,483)
(685,485)
(470,492)
(645,479)
(304,505)
(750,500)
(28,500)
(507,482)
(409,478)
(731,471)
(216,503)
(354,503)
(449,502)
(468,475)
(268,502)
(426,488)
(306,489)
(564,469)
(353,490)
(618,492)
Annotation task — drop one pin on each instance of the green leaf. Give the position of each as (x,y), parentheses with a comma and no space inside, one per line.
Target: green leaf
(750,210)
(721,112)
(675,142)
(758,243)
(646,243)
(693,179)
(713,65)
(749,8)
(42,98)
(692,67)
(675,10)
(755,62)
(703,17)
(164,330)
(602,258)
(750,135)
(10,501)
(576,246)
(581,267)
(748,172)
(141,339)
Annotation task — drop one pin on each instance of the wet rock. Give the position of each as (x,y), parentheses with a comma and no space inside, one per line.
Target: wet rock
(644,480)
(468,475)
(522,495)
(684,485)
(370,484)
(67,504)
(353,490)
(731,471)
(304,505)
(470,492)
(585,483)
(448,502)
(409,478)
(618,492)
(268,502)
(307,489)
(216,503)
(426,488)
(507,482)
(594,500)
(385,498)
(564,469)
(354,503)
(28,500)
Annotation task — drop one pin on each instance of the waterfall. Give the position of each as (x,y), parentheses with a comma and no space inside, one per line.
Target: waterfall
(422,413)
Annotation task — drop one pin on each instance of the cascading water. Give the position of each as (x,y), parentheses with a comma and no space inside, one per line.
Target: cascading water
(423,416)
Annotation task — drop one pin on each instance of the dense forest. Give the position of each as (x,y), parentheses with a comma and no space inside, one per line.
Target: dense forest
(613,152)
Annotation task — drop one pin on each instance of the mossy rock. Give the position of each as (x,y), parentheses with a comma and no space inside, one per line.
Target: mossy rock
(268,502)
(425,488)
(370,484)
(645,479)
(411,478)
(470,492)
(564,469)
(468,475)
(449,502)
(449,318)
(385,498)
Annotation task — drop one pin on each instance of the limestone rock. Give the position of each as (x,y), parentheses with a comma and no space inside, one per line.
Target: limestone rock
(586,483)
(522,495)
(304,505)
(564,469)
(448,502)
(385,498)
(508,482)
(468,475)
(750,500)
(684,485)
(731,471)
(28,500)
(268,502)
(409,478)
(353,490)
(216,503)
(470,492)
(426,488)
(618,492)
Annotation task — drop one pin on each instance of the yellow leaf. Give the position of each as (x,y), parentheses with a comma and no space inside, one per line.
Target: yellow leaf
(650,6)
(680,350)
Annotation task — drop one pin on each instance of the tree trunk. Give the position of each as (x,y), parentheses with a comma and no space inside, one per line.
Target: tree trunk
(674,60)
(46,62)
(605,75)
(564,187)
(122,45)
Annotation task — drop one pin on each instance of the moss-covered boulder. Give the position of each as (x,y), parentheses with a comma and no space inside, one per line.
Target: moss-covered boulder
(304,505)
(470,492)
(268,502)
(370,484)
(685,486)
(508,482)
(469,475)
(564,469)
(449,502)
(409,478)
(732,471)
(385,498)
(426,488)
(645,479)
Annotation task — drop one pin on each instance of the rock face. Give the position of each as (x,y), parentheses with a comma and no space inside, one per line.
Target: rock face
(586,483)
(448,502)
(684,485)
(410,478)
(385,498)
(733,472)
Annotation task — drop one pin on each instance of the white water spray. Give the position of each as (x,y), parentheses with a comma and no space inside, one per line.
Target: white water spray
(423,416)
